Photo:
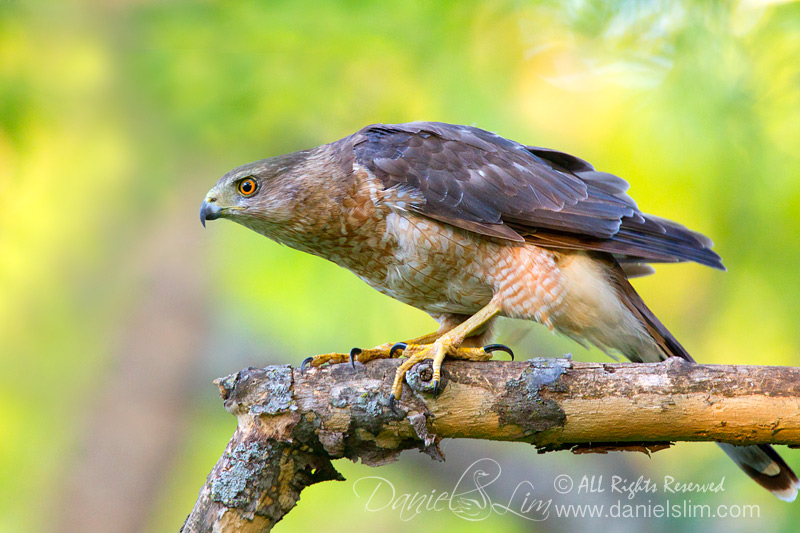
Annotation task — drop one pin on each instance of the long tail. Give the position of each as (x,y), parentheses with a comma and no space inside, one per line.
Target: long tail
(760,462)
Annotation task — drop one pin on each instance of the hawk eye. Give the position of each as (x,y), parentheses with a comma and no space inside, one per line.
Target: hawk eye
(247,187)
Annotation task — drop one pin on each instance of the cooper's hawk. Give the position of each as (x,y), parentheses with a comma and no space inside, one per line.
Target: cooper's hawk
(468,226)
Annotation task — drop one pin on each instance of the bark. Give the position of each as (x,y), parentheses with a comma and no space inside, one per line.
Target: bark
(291,424)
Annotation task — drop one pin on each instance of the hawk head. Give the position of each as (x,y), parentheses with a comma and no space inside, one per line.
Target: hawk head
(261,193)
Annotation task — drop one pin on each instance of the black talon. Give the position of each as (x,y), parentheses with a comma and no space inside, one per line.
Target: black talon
(392,403)
(435,388)
(353,353)
(398,346)
(489,348)
(305,362)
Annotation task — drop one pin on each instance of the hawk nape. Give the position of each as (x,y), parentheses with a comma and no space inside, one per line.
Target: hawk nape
(468,226)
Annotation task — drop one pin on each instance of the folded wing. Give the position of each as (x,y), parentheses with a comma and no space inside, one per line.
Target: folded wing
(481,182)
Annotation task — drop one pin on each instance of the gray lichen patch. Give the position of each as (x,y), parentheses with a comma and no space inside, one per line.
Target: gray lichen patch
(339,401)
(246,472)
(277,391)
(540,373)
(522,403)
(226,385)
(370,410)
(261,391)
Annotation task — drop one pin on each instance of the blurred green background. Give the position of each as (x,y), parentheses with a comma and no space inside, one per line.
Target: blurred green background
(117,309)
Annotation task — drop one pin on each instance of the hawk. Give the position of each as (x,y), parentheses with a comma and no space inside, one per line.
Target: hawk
(469,226)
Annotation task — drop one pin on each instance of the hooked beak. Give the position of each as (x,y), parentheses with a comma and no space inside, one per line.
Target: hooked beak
(209,210)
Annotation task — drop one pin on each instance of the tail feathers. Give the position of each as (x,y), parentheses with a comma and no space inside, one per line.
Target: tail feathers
(765,466)
(760,462)
(668,346)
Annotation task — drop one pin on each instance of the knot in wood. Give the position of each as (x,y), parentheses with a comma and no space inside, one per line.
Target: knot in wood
(420,375)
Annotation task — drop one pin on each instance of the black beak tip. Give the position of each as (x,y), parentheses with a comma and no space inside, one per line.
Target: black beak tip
(209,212)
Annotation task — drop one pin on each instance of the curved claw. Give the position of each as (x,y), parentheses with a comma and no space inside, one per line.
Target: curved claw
(305,363)
(489,348)
(353,353)
(435,388)
(398,346)
(392,402)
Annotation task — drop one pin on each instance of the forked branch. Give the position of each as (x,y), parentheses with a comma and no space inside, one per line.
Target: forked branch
(291,424)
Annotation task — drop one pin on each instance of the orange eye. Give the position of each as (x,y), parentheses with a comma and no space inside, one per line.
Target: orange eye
(247,187)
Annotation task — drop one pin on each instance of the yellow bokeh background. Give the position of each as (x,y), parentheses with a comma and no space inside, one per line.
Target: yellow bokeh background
(117,309)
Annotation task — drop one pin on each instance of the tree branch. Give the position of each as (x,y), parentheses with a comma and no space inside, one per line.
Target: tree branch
(292,424)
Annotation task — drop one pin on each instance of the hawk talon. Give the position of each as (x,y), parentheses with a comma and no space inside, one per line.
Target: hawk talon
(353,353)
(392,402)
(305,363)
(396,347)
(489,348)
(435,388)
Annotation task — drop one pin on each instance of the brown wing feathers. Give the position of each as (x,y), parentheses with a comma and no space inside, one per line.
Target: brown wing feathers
(487,184)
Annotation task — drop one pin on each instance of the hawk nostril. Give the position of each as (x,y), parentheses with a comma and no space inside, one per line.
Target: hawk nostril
(212,199)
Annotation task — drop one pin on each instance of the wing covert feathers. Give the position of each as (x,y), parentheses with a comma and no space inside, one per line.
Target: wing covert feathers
(484,183)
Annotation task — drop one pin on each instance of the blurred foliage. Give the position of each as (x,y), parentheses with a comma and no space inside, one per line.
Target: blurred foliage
(112,114)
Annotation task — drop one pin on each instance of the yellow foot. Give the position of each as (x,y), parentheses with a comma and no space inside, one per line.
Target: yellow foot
(437,351)
(356,354)
(434,346)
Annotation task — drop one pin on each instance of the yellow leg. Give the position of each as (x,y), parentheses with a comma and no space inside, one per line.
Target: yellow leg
(448,344)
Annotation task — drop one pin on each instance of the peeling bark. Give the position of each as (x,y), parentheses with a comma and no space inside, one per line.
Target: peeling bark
(292,424)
